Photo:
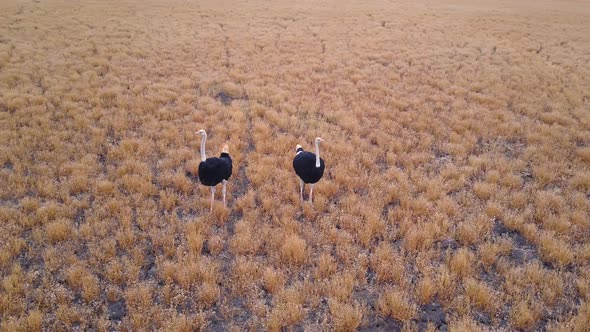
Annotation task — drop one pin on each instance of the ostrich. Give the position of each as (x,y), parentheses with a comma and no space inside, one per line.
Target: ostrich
(309,167)
(214,170)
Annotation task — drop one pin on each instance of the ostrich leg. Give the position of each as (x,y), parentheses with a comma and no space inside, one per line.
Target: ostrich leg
(301,184)
(311,194)
(224,184)
(212,198)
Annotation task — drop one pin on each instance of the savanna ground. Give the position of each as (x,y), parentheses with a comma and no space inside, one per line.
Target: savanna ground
(457,190)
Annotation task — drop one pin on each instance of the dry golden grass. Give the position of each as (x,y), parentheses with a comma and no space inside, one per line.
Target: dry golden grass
(456,193)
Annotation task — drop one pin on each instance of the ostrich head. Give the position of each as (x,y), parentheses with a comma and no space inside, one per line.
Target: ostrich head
(317,151)
(203,134)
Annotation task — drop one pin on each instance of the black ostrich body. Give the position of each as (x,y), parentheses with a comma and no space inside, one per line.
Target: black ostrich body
(304,165)
(214,170)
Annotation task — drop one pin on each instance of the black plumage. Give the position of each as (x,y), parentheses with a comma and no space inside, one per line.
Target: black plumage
(214,170)
(304,165)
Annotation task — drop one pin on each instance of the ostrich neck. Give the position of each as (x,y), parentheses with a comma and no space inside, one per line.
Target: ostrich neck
(317,154)
(203,156)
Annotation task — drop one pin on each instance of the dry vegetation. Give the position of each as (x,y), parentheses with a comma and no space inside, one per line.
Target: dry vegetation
(457,190)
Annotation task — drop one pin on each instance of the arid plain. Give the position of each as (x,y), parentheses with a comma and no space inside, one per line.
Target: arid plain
(457,186)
